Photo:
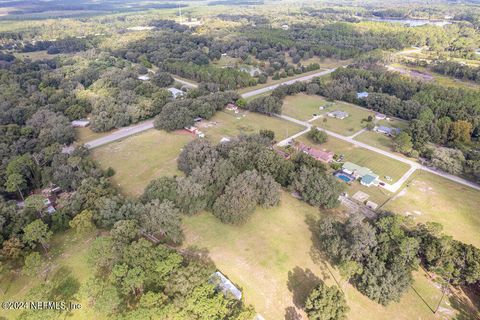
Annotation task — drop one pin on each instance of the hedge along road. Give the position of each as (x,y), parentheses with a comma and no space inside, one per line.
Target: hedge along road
(147,125)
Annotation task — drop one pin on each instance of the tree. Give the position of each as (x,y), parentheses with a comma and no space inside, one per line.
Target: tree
(326,303)
(449,160)
(196,153)
(124,231)
(403,143)
(12,248)
(15,183)
(268,105)
(82,222)
(317,188)
(102,295)
(36,203)
(37,233)
(163,188)
(32,263)
(460,131)
(162,79)
(162,219)
(317,136)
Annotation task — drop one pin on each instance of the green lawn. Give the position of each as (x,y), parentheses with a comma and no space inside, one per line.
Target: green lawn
(66,250)
(432,198)
(303,106)
(141,158)
(259,256)
(348,126)
(229,124)
(380,164)
(83,135)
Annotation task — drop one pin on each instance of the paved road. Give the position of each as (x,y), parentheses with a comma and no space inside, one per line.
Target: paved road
(120,134)
(137,128)
(272,87)
(413,165)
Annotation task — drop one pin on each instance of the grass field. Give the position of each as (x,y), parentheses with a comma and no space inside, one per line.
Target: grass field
(347,126)
(66,250)
(303,106)
(381,165)
(141,158)
(272,260)
(229,124)
(428,197)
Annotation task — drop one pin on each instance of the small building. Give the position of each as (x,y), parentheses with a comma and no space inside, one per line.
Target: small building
(285,27)
(387,130)
(225,140)
(372,205)
(192,129)
(198,119)
(338,114)
(176,93)
(82,123)
(226,286)
(369,179)
(380,116)
(362,95)
(143,77)
(231,107)
(68,149)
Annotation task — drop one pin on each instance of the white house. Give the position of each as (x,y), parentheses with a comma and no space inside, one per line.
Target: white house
(176,93)
(338,114)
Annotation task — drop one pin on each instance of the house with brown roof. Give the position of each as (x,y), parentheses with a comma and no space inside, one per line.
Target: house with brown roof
(320,155)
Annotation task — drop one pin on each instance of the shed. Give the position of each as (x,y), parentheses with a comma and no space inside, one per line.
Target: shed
(82,123)
(143,77)
(380,116)
(362,95)
(226,286)
(387,130)
(372,205)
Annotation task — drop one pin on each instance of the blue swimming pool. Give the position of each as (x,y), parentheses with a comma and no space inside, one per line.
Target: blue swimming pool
(345,177)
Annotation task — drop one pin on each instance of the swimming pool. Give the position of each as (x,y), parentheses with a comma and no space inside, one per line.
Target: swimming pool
(343,176)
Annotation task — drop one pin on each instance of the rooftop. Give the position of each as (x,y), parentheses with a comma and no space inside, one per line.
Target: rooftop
(359,170)
(225,285)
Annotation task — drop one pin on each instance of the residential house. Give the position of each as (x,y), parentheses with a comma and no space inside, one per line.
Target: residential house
(320,155)
(143,77)
(338,114)
(176,93)
(387,130)
(380,116)
(370,179)
(355,170)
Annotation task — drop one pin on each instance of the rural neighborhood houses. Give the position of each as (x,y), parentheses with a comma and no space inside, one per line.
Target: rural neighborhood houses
(338,114)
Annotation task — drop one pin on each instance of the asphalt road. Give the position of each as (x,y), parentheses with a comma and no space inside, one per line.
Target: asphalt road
(146,125)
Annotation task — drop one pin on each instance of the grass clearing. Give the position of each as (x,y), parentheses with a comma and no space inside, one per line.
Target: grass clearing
(230,124)
(67,249)
(428,197)
(348,126)
(84,135)
(379,164)
(141,158)
(303,106)
(271,259)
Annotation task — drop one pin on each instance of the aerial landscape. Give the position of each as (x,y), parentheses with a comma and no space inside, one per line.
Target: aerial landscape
(240,159)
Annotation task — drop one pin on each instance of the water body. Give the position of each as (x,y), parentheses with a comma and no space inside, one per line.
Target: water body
(413,22)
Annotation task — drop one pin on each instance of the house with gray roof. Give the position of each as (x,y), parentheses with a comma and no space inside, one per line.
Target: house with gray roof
(338,114)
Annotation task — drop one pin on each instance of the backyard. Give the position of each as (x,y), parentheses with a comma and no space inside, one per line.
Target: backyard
(272,260)
(141,158)
(348,126)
